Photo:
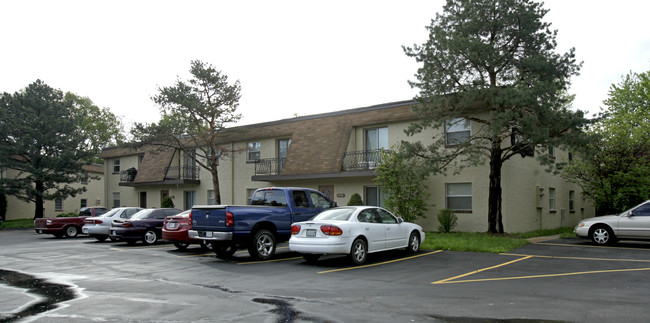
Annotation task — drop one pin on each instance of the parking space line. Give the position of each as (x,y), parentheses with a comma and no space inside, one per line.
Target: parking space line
(379,263)
(541,276)
(576,258)
(587,246)
(449,280)
(265,261)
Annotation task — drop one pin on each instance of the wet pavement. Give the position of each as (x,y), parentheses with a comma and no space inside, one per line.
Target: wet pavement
(43,279)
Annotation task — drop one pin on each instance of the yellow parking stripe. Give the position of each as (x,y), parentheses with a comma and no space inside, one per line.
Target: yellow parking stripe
(540,276)
(380,263)
(575,258)
(589,246)
(265,261)
(480,270)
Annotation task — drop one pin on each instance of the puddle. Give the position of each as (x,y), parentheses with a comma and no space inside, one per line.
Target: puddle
(51,294)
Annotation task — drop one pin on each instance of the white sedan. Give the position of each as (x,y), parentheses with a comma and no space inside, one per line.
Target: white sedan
(99,226)
(355,231)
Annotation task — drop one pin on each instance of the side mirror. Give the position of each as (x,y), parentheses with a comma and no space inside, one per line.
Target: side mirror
(400,220)
(333,204)
(630,214)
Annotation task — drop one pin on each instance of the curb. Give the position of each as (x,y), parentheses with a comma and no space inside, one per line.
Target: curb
(542,239)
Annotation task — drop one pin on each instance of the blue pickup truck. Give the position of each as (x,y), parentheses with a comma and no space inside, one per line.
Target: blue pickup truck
(258,226)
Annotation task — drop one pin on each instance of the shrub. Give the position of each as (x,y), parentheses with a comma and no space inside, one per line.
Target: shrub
(447,220)
(355,199)
(167,202)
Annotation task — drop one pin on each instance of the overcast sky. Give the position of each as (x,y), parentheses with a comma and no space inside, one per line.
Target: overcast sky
(291,57)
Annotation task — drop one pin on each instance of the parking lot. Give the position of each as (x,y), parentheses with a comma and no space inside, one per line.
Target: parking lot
(44,279)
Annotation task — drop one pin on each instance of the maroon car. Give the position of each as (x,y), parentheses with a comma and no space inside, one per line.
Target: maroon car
(145,225)
(67,226)
(175,231)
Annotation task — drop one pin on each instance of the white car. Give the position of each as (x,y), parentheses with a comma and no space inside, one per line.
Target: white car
(355,231)
(633,224)
(99,226)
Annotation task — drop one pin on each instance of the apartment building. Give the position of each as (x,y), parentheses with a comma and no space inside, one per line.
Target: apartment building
(336,154)
(93,196)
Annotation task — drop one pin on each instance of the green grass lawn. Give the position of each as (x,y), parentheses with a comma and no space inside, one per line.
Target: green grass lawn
(17,224)
(483,242)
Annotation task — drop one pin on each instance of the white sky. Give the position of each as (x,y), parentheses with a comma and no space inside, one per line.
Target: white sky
(291,57)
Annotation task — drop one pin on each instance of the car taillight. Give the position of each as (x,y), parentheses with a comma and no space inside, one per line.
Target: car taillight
(184,222)
(230,220)
(331,230)
(295,229)
(127,224)
(94,221)
(190,217)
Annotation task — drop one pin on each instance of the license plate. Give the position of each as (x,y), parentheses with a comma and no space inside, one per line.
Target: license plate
(172,225)
(310,233)
(208,234)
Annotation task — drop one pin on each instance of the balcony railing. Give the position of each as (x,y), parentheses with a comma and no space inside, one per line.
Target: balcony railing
(269,166)
(128,175)
(182,173)
(360,160)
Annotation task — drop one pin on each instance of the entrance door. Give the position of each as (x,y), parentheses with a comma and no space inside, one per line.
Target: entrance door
(143,200)
(283,150)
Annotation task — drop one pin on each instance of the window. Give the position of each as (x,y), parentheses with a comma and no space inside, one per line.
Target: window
(376,138)
(249,194)
(253,151)
(319,201)
(116,199)
(84,203)
(643,210)
(116,166)
(84,179)
(551,151)
(269,198)
(58,204)
(571,201)
(386,217)
(300,199)
(374,196)
(457,131)
(283,151)
(551,199)
(459,196)
(190,199)
(211,198)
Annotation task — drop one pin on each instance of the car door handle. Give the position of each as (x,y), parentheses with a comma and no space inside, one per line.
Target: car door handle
(297,213)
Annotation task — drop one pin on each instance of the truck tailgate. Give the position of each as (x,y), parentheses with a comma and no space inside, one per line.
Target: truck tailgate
(209,217)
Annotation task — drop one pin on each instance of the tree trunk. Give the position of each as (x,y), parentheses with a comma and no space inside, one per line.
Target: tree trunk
(215,186)
(38,200)
(495,224)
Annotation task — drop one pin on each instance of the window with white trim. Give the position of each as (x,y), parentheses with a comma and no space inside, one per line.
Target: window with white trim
(116,199)
(58,204)
(572,205)
(459,196)
(211,198)
(253,151)
(457,131)
(116,166)
(551,199)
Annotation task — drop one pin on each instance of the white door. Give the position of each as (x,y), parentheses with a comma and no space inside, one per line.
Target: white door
(373,229)
(636,223)
(396,236)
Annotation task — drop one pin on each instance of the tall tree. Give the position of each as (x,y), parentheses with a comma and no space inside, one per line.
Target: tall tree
(492,63)
(194,115)
(614,171)
(46,138)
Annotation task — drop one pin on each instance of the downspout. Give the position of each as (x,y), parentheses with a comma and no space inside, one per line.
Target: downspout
(232,173)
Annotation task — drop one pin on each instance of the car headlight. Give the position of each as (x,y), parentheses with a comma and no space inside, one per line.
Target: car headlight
(581,224)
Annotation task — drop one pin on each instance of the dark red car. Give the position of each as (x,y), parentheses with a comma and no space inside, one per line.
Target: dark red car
(175,231)
(67,226)
(145,225)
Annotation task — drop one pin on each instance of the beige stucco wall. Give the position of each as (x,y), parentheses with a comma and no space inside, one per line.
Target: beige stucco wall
(523,208)
(94,195)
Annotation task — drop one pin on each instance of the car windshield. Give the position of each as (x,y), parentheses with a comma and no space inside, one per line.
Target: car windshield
(109,213)
(342,214)
(142,214)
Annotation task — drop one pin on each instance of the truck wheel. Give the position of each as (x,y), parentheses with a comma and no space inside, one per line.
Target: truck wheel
(224,251)
(263,245)
(71,231)
(149,237)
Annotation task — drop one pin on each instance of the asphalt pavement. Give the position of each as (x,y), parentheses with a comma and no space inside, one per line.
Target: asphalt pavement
(45,279)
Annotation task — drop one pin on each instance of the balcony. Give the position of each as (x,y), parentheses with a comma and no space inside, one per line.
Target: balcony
(184,173)
(360,160)
(128,176)
(269,166)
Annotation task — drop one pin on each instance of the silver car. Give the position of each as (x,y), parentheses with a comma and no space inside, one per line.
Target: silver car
(99,226)
(633,224)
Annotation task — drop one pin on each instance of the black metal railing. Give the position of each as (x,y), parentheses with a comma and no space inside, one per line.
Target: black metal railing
(182,172)
(360,160)
(128,176)
(269,166)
